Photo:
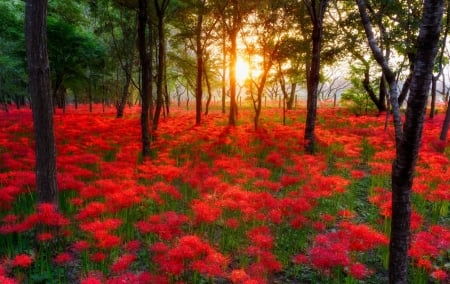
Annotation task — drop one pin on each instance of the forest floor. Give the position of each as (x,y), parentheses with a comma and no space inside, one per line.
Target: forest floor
(217,204)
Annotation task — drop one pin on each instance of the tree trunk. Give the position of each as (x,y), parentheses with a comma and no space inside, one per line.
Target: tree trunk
(408,150)
(405,89)
(208,88)
(90,94)
(382,94)
(120,106)
(446,123)
(316,14)
(41,101)
(291,100)
(433,96)
(233,57)
(160,12)
(224,71)
(408,139)
(199,82)
(145,77)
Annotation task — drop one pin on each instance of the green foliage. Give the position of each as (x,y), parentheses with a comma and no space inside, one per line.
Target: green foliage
(76,56)
(356,98)
(12,51)
(359,103)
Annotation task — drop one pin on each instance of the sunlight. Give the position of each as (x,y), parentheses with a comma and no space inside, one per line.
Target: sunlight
(242,70)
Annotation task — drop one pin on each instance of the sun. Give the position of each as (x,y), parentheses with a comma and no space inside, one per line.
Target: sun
(242,70)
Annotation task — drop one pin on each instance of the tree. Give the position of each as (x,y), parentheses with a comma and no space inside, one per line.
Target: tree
(233,13)
(145,77)
(13,77)
(439,63)
(408,139)
(259,40)
(195,27)
(41,101)
(119,30)
(161,9)
(316,11)
(74,54)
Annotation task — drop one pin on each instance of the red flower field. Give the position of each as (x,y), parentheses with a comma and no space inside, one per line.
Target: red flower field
(216,204)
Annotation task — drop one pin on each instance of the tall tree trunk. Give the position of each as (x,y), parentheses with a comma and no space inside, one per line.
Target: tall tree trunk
(160,12)
(408,139)
(224,70)
(145,78)
(41,101)
(233,57)
(199,82)
(408,150)
(316,13)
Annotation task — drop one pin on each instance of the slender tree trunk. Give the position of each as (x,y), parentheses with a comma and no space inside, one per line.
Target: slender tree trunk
(405,89)
(433,96)
(199,82)
(145,77)
(41,101)
(160,12)
(208,88)
(446,123)
(224,65)
(316,14)
(124,97)
(233,57)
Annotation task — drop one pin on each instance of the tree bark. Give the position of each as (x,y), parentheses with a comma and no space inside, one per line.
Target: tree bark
(208,88)
(408,150)
(199,82)
(145,78)
(433,96)
(224,65)
(316,13)
(407,139)
(233,56)
(446,123)
(160,12)
(120,105)
(41,101)
(389,75)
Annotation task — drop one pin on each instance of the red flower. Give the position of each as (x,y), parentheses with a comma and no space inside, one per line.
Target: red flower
(6,280)
(63,258)
(238,276)
(91,280)
(123,263)
(300,259)
(132,246)
(358,271)
(439,275)
(204,212)
(22,260)
(98,257)
(232,223)
(81,246)
(43,237)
